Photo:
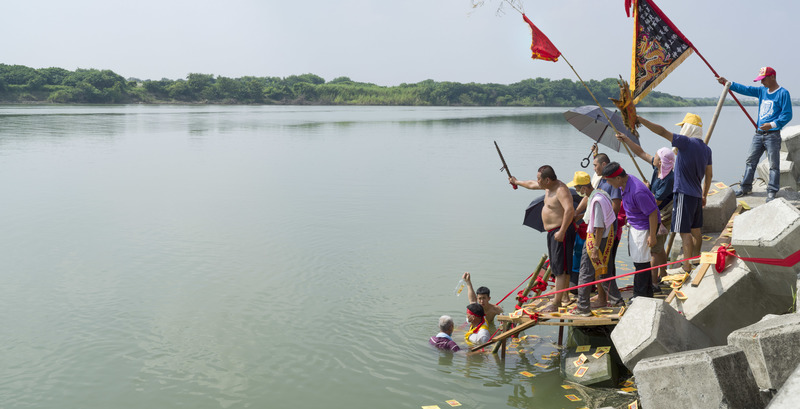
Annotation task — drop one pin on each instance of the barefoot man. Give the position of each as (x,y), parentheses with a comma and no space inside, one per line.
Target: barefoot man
(557,217)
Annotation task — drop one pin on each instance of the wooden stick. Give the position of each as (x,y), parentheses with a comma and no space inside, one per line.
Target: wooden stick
(514,331)
(507,325)
(604,114)
(532,282)
(720,103)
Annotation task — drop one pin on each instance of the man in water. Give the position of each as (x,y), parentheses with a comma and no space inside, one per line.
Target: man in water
(774,111)
(557,216)
(478,332)
(482,297)
(443,339)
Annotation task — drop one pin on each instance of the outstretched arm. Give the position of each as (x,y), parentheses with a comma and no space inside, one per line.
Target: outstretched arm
(527,184)
(636,149)
(656,129)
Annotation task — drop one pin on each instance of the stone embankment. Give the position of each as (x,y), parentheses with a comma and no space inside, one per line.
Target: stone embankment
(732,340)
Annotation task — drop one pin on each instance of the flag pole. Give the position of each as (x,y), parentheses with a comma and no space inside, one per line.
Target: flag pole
(605,115)
(520,11)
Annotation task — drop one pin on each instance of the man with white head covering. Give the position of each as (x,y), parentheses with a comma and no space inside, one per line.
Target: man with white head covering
(692,181)
(661,184)
(691,126)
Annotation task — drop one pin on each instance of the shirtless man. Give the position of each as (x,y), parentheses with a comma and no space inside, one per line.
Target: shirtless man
(482,297)
(557,216)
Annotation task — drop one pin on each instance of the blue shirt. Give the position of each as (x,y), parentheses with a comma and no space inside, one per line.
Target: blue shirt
(615,193)
(639,203)
(690,166)
(662,188)
(773,106)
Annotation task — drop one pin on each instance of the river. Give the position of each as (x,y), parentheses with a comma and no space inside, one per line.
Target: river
(275,257)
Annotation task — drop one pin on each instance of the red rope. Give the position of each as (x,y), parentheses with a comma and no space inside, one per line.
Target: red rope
(603,280)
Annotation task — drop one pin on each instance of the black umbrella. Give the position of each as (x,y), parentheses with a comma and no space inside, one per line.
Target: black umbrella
(589,120)
(533,214)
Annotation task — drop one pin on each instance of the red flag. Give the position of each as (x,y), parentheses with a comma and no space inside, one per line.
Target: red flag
(541,47)
(658,48)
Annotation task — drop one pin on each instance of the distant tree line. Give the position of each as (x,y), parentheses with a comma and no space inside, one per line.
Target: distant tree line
(21,84)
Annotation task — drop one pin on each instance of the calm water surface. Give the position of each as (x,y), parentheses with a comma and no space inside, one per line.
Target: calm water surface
(274,257)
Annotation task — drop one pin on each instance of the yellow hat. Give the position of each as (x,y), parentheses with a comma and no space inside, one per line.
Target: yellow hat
(691,119)
(581,178)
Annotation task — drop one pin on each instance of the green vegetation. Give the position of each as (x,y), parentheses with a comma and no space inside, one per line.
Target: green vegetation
(21,84)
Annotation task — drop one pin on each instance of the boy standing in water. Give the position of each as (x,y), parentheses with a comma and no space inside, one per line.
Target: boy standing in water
(482,297)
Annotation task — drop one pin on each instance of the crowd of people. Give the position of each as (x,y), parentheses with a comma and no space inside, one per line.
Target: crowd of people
(582,240)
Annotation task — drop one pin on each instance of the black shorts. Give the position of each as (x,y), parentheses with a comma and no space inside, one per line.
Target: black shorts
(687,213)
(561,252)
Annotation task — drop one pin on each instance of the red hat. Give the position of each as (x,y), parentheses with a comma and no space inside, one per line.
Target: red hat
(764,72)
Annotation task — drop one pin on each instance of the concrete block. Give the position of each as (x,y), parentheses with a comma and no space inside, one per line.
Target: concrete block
(718,210)
(787,395)
(736,298)
(790,142)
(771,231)
(602,372)
(650,328)
(716,377)
(772,347)
(789,172)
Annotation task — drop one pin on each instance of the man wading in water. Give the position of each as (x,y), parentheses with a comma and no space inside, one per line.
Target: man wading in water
(557,217)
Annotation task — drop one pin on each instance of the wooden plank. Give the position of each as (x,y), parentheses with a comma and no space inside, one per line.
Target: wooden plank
(721,239)
(507,334)
(701,272)
(595,323)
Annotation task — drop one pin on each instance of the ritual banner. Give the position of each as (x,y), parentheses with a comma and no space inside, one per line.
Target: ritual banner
(658,48)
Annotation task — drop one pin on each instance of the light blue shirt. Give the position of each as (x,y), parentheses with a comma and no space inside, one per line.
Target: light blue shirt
(774,108)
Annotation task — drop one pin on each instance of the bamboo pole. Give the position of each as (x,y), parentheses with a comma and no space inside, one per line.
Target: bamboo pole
(520,11)
(507,325)
(717,112)
(604,114)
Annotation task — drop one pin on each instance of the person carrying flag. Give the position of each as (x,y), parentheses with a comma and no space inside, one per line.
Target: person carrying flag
(774,111)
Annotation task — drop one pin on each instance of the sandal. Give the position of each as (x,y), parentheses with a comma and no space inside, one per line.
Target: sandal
(549,308)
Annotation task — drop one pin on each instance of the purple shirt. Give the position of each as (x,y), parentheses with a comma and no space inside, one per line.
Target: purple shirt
(638,202)
(444,342)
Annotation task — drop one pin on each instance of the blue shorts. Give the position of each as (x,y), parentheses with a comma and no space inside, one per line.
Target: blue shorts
(687,213)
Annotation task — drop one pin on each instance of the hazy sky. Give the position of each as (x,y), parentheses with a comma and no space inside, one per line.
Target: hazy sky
(392,42)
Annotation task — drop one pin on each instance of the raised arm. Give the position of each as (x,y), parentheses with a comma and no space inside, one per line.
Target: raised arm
(636,149)
(656,129)
(473,298)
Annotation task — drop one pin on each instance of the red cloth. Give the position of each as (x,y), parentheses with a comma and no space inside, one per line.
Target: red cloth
(541,46)
(724,251)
